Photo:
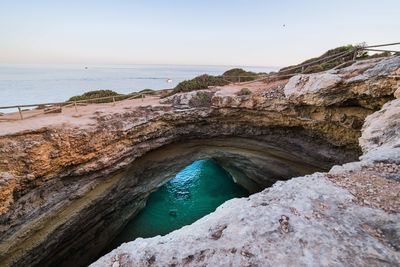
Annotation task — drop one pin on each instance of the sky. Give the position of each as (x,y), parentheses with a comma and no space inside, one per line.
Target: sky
(207,32)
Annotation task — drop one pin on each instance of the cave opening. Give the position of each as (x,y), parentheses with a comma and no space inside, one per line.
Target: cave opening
(252,164)
(195,191)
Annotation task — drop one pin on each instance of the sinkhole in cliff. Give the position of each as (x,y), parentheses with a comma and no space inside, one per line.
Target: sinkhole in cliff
(194,192)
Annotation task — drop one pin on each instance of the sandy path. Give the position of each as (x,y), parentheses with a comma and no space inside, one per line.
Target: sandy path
(36,119)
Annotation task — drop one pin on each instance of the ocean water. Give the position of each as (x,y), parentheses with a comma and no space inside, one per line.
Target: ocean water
(33,84)
(194,192)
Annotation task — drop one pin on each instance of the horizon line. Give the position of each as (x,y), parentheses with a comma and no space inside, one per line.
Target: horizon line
(138,64)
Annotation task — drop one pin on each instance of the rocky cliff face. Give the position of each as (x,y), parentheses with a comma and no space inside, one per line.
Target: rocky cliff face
(346,217)
(66,191)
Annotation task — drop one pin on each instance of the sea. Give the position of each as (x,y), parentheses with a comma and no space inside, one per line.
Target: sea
(35,84)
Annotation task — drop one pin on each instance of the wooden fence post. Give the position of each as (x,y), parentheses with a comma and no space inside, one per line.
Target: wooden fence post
(113,100)
(76,109)
(20,113)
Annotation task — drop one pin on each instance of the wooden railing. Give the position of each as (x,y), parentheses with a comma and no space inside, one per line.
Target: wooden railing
(113,99)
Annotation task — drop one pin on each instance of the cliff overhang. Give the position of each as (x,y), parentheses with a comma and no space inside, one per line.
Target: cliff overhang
(58,176)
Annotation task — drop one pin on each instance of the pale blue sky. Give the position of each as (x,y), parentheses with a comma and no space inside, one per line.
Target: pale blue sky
(218,32)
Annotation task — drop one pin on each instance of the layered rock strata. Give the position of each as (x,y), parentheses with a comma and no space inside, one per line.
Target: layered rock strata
(349,216)
(66,191)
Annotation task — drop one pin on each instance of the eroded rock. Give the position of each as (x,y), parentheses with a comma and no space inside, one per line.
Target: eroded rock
(350,217)
(382,129)
(62,185)
(308,88)
(352,83)
(321,234)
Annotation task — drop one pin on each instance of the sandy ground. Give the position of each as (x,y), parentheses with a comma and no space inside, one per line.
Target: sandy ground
(377,186)
(36,119)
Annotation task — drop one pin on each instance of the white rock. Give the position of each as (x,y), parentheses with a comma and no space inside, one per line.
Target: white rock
(308,88)
(249,232)
(397,93)
(382,129)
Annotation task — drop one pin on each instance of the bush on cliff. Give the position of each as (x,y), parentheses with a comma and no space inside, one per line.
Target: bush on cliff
(365,55)
(205,80)
(236,75)
(108,93)
(96,94)
(148,92)
(324,61)
(198,83)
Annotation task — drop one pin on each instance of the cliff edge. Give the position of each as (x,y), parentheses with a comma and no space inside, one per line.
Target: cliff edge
(70,181)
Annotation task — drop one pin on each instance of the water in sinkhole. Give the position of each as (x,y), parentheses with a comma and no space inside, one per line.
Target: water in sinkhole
(194,192)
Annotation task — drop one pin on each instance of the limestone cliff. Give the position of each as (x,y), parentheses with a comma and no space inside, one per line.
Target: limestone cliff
(349,216)
(67,189)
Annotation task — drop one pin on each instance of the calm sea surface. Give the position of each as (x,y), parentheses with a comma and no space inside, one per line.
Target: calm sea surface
(28,84)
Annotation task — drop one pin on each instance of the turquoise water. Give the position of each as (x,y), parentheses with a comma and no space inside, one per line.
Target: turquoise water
(195,191)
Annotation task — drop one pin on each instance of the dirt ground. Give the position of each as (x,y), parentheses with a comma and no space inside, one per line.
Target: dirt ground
(36,119)
(377,186)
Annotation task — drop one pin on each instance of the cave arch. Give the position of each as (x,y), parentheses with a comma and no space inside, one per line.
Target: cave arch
(255,162)
(256,157)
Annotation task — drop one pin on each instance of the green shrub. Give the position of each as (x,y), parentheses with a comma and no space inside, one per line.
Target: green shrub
(148,91)
(96,94)
(205,80)
(244,91)
(365,55)
(201,99)
(198,83)
(109,93)
(322,64)
(233,75)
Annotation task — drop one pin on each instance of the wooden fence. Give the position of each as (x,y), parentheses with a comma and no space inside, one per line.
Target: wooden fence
(75,104)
